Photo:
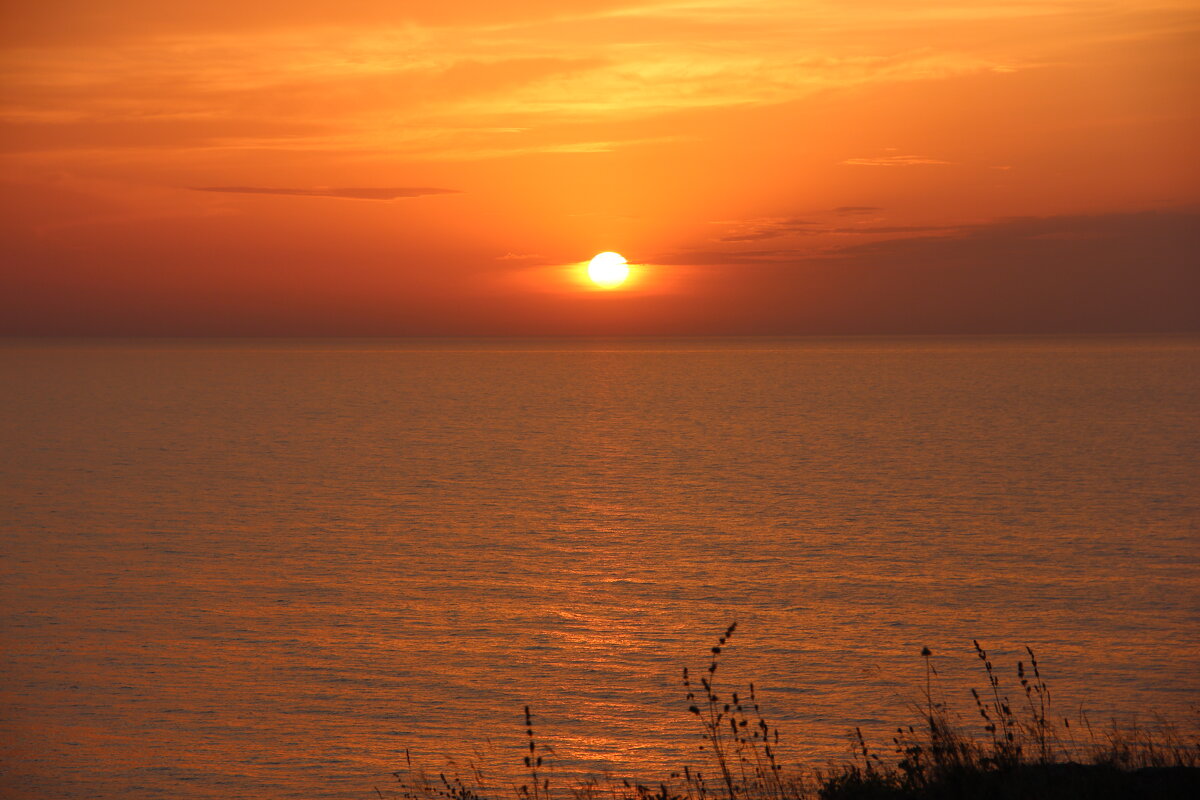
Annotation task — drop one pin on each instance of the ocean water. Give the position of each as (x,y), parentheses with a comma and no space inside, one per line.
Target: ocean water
(266,568)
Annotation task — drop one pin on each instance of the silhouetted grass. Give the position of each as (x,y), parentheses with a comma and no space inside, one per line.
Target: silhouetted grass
(1021,750)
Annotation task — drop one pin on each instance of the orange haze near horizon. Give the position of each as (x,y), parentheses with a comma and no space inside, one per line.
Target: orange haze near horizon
(398,168)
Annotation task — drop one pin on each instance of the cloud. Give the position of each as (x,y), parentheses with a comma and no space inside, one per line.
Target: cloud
(90,133)
(878,229)
(856,210)
(349,193)
(757,230)
(180,79)
(712,258)
(896,161)
(1124,272)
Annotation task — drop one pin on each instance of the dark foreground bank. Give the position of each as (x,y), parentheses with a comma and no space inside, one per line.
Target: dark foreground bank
(1067,781)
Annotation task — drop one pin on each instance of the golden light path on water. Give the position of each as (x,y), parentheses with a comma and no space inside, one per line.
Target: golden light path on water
(269,568)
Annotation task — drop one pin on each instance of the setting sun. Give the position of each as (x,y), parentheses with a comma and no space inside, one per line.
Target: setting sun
(608,270)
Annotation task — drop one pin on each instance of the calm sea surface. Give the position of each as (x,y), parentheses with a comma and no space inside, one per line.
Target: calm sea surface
(263,569)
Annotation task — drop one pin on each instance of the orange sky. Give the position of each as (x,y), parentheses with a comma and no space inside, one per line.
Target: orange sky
(393,168)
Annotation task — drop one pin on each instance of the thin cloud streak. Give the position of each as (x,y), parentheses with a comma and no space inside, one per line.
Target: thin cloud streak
(759,230)
(896,161)
(349,193)
(771,229)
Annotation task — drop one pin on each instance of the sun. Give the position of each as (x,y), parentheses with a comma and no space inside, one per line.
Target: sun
(608,270)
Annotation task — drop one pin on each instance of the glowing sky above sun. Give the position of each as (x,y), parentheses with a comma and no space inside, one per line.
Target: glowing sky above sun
(394,168)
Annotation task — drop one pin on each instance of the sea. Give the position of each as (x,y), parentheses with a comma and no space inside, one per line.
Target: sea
(291,568)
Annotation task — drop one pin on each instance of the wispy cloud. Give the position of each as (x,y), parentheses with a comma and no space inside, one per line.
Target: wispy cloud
(374,84)
(757,230)
(348,193)
(896,161)
(879,229)
(708,258)
(401,80)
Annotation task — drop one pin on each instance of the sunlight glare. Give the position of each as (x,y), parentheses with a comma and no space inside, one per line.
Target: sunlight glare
(608,270)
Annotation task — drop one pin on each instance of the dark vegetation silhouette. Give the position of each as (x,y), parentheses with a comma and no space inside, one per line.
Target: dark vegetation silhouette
(1027,751)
